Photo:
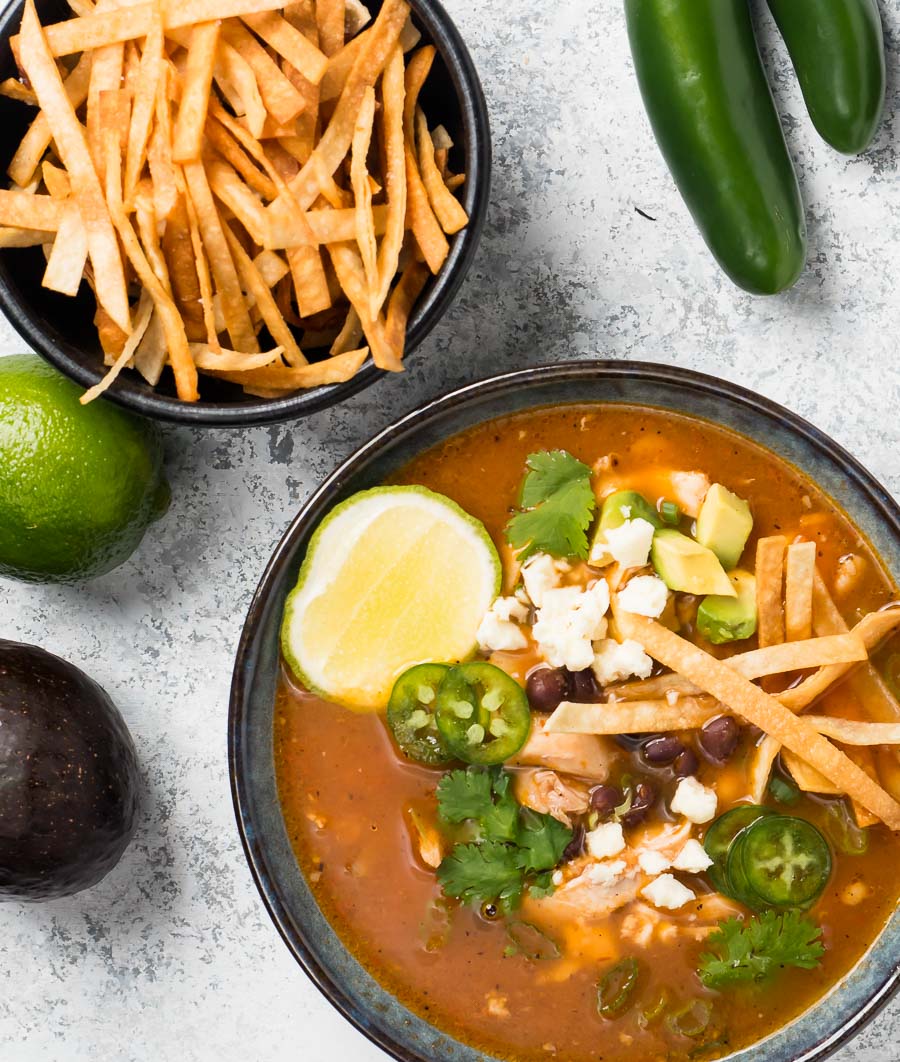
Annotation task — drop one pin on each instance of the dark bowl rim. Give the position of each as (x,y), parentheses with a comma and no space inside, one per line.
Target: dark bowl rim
(281,558)
(478,159)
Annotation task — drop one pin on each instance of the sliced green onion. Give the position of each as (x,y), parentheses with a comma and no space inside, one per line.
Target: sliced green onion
(691,1021)
(617,987)
(783,791)
(670,513)
(843,830)
(655,1011)
(526,939)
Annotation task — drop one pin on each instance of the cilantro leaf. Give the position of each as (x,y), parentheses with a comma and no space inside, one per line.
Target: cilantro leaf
(542,840)
(755,951)
(500,822)
(464,795)
(479,873)
(558,503)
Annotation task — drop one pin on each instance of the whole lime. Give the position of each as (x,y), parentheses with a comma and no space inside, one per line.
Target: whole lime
(79,485)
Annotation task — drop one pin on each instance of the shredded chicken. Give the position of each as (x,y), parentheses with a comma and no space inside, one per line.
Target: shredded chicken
(544,791)
(584,755)
(690,489)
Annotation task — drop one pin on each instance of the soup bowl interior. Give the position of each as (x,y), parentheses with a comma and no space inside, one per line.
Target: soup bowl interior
(61,328)
(281,883)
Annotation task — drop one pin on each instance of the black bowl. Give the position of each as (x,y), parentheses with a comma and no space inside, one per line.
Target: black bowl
(315,945)
(61,329)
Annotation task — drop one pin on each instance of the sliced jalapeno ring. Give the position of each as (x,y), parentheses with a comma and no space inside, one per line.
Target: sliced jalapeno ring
(786,861)
(617,987)
(721,834)
(482,714)
(411,714)
(737,884)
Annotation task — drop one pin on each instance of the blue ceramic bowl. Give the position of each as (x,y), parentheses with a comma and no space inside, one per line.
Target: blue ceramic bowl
(814,1035)
(61,329)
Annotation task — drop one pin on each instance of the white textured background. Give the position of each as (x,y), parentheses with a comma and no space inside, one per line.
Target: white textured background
(172,957)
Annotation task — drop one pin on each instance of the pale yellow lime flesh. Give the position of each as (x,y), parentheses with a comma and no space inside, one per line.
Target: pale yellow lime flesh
(393,577)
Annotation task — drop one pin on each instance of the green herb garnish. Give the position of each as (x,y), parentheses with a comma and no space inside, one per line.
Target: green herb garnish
(755,950)
(558,503)
(516,847)
(783,791)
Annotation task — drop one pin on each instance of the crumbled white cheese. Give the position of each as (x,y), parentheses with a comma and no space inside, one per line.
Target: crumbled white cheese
(645,595)
(568,621)
(629,544)
(497,629)
(615,661)
(668,892)
(604,873)
(541,573)
(692,858)
(653,863)
(690,489)
(694,801)
(605,840)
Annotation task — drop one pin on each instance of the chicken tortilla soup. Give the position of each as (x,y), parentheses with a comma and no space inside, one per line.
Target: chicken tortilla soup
(587,736)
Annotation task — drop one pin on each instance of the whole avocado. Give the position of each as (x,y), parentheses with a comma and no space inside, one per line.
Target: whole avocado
(79,484)
(68,777)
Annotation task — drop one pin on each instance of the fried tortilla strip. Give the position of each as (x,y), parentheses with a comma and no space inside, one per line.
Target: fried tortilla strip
(182,270)
(349,270)
(144,105)
(331,150)
(222,360)
(764,755)
(856,731)
(165,179)
(446,206)
(330,22)
(667,686)
(203,274)
(836,649)
(234,193)
(38,138)
(798,590)
(68,133)
(808,778)
(196,85)
(179,354)
(769,578)
(871,629)
(412,280)
(759,709)
(15,90)
(130,23)
(632,717)
(362,194)
(339,369)
(25,211)
(338,70)
(290,43)
(283,102)
(420,217)
(237,81)
(141,321)
(234,308)
(236,157)
(349,336)
(65,266)
(310,282)
(271,315)
(393,93)
(11,236)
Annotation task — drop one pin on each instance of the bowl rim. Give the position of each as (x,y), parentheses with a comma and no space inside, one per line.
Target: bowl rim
(282,557)
(477,148)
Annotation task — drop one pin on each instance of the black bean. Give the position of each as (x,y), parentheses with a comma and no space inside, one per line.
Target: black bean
(686,763)
(719,738)
(642,798)
(604,798)
(583,686)
(546,687)
(576,846)
(663,750)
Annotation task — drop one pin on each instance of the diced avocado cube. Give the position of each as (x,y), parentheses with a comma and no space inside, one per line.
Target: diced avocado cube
(724,525)
(684,564)
(730,619)
(617,508)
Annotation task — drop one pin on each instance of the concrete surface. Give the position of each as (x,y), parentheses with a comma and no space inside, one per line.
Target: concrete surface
(172,957)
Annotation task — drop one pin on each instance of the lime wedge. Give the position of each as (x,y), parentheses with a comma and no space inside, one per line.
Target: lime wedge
(393,577)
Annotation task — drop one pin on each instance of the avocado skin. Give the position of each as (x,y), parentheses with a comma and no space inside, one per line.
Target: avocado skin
(68,777)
